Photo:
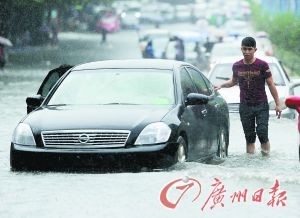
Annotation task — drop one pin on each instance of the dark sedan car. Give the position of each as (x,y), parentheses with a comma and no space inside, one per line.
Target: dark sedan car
(148,113)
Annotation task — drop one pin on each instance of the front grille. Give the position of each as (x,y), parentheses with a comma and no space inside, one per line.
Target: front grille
(85,138)
(233,107)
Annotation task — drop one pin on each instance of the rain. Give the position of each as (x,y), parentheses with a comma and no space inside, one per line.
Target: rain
(38,36)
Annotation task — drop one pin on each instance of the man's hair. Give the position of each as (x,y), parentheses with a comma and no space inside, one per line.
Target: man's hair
(249,42)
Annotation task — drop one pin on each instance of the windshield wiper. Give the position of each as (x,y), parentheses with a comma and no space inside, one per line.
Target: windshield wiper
(56,104)
(222,78)
(119,103)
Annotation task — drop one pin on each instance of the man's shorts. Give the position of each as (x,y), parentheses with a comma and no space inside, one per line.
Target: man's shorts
(255,120)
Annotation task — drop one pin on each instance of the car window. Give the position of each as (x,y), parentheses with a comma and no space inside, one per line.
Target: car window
(277,75)
(220,73)
(116,86)
(284,70)
(187,84)
(51,80)
(296,91)
(208,84)
(199,81)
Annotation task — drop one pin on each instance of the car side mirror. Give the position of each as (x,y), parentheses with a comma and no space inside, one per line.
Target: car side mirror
(293,102)
(196,99)
(33,102)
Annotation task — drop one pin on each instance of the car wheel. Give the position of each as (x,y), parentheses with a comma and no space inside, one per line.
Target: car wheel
(181,154)
(222,144)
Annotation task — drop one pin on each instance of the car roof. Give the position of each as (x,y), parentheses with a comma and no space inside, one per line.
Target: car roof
(131,63)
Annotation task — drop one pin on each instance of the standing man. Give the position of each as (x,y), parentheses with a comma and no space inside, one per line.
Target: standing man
(251,74)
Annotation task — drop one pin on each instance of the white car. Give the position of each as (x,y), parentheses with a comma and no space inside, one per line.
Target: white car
(231,47)
(222,71)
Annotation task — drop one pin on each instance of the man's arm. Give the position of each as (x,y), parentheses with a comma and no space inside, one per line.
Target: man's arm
(229,83)
(274,93)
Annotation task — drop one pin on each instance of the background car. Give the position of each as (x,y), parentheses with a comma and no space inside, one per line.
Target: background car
(230,47)
(144,113)
(194,52)
(222,71)
(159,37)
(130,17)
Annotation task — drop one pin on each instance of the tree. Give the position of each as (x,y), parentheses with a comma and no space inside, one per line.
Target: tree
(19,16)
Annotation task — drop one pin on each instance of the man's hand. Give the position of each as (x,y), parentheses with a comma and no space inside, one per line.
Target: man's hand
(278,111)
(216,88)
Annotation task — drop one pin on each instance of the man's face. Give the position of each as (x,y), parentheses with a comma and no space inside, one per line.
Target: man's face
(248,52)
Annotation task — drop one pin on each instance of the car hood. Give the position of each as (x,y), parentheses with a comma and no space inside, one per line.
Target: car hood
(121,117)
(232,95)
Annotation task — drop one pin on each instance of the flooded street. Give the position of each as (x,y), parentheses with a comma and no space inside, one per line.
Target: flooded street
(63,194)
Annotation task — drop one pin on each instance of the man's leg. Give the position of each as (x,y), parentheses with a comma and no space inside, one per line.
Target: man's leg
(250,148)
(265,148)
(248,123)
(262,122)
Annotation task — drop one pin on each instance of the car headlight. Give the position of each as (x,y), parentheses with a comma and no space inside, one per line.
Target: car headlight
(282,104)
(23,135)
(154,133)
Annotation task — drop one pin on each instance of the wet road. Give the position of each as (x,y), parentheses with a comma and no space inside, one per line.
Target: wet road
(56,194)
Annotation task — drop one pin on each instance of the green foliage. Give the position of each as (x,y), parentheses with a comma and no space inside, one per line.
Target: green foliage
(56,3)
(284,32)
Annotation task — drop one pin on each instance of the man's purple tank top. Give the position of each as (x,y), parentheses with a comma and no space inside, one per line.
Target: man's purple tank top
(251,79)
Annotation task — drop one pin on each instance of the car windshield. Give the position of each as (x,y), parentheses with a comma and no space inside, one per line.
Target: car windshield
(222,72)
(116,86)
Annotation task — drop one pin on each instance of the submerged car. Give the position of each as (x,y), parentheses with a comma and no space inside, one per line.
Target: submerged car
(147,112)
(222,71)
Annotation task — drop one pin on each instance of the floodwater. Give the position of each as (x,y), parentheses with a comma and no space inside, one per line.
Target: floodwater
(86,194)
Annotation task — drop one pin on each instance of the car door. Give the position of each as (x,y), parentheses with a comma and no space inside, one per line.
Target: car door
(50,80)
(203,87)
(211,129)
(194,119)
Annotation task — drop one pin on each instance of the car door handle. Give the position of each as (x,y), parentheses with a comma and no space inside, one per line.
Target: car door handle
(204,112)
